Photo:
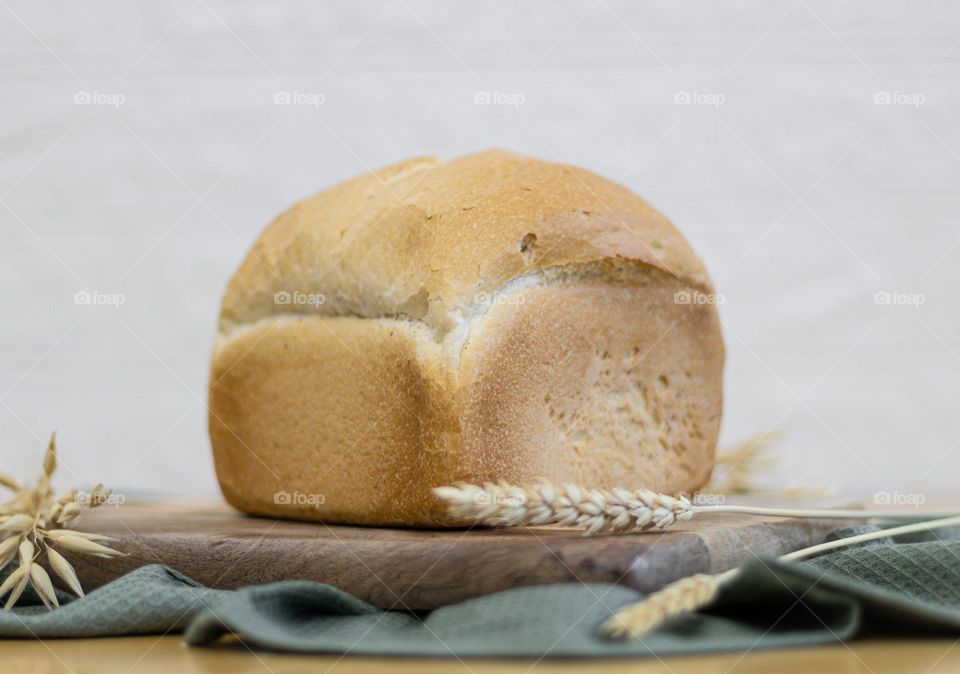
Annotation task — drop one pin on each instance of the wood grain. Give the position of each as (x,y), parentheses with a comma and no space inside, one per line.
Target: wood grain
(163,655)
(417,569)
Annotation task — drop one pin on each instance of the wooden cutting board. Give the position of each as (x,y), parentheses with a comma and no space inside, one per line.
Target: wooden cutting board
(417,569)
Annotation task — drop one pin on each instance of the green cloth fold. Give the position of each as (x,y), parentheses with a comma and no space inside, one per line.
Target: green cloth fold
(895,588)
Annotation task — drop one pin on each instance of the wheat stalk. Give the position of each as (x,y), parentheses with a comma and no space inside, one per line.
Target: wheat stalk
(695,592)
(32,521)
(606,510)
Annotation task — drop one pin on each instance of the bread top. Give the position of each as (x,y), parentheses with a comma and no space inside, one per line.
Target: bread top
(434,241)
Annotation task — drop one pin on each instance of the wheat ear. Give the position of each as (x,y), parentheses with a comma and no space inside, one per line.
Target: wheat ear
(679,598)
(695,592)
(614,510)
(593,510)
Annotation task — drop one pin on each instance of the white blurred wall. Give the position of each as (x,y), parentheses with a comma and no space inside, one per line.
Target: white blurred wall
(804,196)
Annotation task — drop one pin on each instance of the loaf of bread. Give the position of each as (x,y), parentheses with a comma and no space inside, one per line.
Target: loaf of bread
(490,317)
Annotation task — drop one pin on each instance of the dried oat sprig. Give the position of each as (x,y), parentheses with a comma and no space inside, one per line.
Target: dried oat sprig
(32,521)
(688,595)
(597,511)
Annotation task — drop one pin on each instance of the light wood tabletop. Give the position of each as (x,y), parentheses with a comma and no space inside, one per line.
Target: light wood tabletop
(168,654)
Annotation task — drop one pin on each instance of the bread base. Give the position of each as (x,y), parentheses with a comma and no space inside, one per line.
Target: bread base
(592,380)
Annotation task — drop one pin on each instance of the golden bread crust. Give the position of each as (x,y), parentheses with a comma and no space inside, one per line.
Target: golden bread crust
(492,317)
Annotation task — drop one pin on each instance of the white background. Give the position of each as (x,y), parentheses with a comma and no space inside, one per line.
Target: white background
(803,195)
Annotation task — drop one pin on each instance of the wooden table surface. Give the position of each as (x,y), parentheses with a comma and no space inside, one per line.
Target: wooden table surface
(168,655)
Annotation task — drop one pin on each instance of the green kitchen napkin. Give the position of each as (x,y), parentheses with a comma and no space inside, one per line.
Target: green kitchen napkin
(909,586)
